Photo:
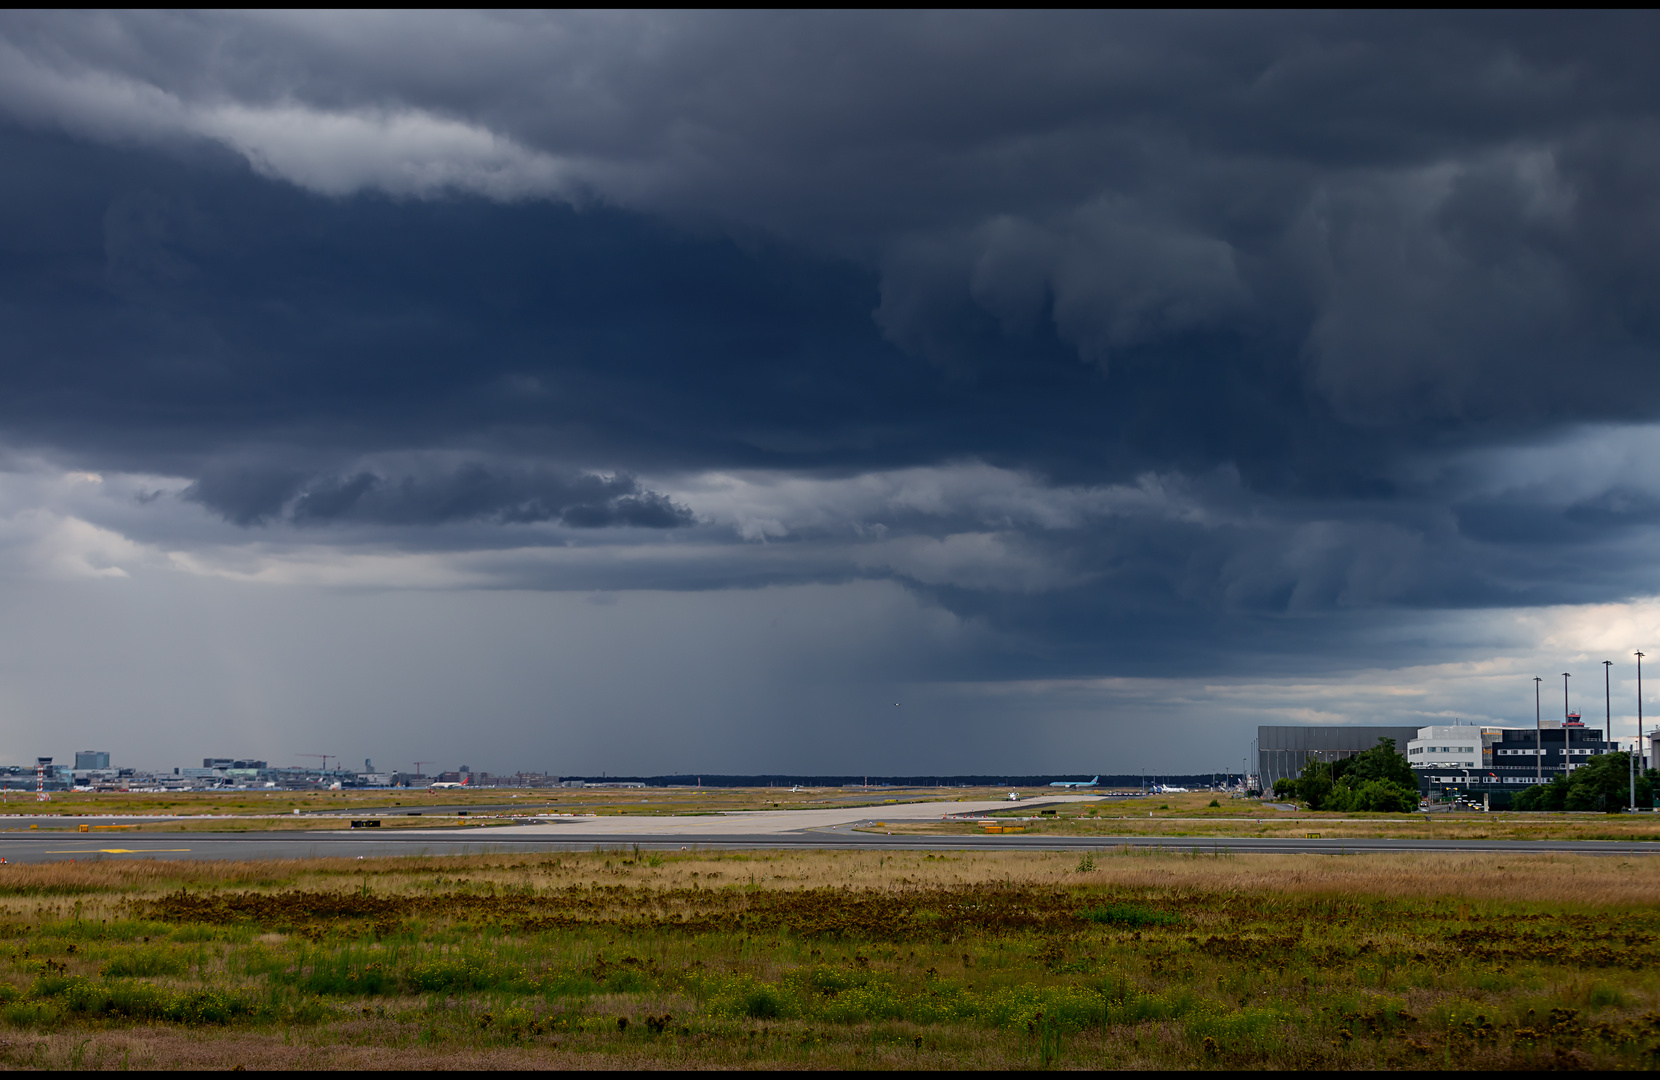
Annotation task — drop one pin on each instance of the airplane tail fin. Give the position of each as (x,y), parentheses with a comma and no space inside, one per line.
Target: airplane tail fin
(1094,780)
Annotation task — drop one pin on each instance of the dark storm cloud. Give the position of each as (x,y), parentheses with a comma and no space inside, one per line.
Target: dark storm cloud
(245,496)
(1322,256)
(480,493)
(472,492)
(1421,218)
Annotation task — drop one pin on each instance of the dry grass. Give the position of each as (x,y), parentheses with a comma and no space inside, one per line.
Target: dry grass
(836,960)
(759,1046)
(1189,814)
(1528,878)
(1543,877)
(162,1048)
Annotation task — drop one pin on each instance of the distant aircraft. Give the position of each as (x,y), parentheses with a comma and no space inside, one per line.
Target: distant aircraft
(1166,789)
(1091,782)
(1014,796)
(796,788)
(449,783)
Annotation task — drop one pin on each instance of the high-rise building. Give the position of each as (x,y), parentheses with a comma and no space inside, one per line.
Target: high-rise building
(92,759)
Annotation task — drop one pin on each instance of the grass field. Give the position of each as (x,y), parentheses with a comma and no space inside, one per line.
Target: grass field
(835,959)
(1190,814)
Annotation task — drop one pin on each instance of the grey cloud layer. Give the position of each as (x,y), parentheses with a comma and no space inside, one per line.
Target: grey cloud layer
(503,494)
(1111,331)
(1433,215)
(1099,579)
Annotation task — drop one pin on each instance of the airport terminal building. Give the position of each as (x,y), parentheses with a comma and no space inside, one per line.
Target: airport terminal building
(1498,763)
(1450,761)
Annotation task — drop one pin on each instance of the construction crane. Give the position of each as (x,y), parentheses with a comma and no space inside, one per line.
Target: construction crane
(418,765)
(325,758)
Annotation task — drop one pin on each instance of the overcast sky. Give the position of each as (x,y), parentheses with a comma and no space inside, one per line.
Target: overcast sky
(819,393)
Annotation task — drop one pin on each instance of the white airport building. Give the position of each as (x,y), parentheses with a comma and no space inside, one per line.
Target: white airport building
(1451,747)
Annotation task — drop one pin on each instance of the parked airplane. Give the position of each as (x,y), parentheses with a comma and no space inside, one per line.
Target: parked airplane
(1091,782)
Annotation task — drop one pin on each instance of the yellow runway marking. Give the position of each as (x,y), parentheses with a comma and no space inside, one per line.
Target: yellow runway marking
(115,851)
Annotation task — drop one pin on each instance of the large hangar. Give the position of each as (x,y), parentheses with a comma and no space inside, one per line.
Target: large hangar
(1283,750)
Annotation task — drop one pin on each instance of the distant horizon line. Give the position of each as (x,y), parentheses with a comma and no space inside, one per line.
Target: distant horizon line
(896,780)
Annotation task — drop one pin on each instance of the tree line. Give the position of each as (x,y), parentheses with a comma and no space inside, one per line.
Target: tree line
(1381,780)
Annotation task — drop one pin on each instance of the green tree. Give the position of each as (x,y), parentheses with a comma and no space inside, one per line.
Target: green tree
(1314,786)
(1285,787)
(1601,784)
(1382,797)
(1551,796)
(1378,780)
(1604,783)
(1382,762)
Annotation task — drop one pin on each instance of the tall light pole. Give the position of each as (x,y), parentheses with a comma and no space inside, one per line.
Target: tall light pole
(1607,703)
(1608,723)
(1641,756)
(1567,732)
(1538,735)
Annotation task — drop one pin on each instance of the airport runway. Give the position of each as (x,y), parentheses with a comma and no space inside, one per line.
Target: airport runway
(244,846)
(827,828)
(830,828)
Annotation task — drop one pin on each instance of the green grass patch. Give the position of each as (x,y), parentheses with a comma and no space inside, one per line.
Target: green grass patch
(1128,915)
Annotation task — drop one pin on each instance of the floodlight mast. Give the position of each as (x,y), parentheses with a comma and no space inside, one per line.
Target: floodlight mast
(1641,756)
(1538,736)
(1567,732)
(1607,702)
(1608,723)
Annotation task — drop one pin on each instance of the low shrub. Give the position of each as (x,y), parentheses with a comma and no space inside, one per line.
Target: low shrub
(30,1014)
(78,995)
(766,1002)
(747,996)
(451,975)
(144,963)
(1128,915)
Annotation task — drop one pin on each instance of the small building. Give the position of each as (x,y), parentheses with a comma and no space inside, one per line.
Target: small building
(1454,747)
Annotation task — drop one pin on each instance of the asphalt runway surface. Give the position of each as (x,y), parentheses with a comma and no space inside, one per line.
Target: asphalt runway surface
(857,828)
(349,844)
